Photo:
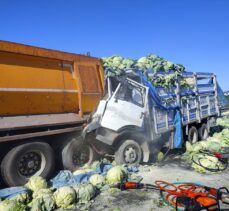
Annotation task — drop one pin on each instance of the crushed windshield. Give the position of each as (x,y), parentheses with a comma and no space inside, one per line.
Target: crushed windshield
(131,92)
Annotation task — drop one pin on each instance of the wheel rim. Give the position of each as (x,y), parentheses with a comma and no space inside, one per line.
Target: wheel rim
(31,163)
(81,155)
(130,154)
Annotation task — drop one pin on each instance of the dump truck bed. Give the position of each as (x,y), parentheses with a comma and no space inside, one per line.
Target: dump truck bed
(40,87)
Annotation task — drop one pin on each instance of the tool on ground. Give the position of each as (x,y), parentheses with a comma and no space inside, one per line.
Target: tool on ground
(188,196)
(135,185)
(193,197)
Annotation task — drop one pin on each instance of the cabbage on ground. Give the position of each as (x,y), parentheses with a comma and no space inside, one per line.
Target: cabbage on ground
(65,197)
(116,174)
(43,200)
(216,143)
(11,205)
(97,180)
(84,192)
(23,198)
(36,183)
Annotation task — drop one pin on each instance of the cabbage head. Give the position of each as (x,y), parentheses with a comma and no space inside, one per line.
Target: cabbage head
(36,183)
(65,197)
(11,205)
(97,180)
(188,146)
(160,156)
(23,198)
(85,192)
(198,168)
(214,146)
(43,200)
(116,174)
(42,192)
(196,147)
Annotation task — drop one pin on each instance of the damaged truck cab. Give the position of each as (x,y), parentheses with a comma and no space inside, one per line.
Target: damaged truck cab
(135,120)
(119,121)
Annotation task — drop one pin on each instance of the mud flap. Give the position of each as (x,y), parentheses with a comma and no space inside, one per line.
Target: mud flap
(146,151)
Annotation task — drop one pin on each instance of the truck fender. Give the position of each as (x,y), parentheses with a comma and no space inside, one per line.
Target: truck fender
(89,128)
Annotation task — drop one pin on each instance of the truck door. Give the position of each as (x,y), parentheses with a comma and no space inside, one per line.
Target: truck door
(126,107)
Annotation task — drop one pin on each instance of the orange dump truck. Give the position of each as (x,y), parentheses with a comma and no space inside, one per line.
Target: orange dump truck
(45,99)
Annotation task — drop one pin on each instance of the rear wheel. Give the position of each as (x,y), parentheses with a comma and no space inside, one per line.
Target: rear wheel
(27,160)
(77,153)
(129,152)
(203,132)
(192,135)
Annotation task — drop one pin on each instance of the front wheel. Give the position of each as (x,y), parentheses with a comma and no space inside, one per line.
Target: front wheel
(77,153)
(129,152)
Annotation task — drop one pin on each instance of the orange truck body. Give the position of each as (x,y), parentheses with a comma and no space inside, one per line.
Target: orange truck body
(42,88)
(41,81)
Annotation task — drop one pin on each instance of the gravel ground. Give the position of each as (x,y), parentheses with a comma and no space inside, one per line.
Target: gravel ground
(134,200)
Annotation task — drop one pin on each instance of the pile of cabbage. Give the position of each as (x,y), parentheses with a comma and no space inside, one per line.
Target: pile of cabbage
(117,65)
(218,142)
(43,197)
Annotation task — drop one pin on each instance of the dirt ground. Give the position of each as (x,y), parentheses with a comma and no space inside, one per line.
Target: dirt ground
(148,200)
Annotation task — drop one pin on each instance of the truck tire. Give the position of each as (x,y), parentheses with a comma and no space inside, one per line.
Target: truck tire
(27,160)
(203,132)
(77,153)
(129,152)
(192,135)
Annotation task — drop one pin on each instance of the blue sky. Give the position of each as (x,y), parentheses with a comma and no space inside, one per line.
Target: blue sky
(194,33)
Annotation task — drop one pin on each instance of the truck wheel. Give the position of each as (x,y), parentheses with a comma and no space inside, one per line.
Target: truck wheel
(129,152)
(193,135)
(203,132)
(27,160)
(76,154)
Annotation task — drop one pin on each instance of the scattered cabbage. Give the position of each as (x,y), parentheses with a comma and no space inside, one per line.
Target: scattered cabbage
(97,180)
(23,198)
(214,146)
(206,162)
(36,183)
(116,174)
(11,205)
(160,156)
(196,147)
(216,143)
(42,192)
(85,192)
(65,197)
(224,121)
(189,147)
(43,200)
